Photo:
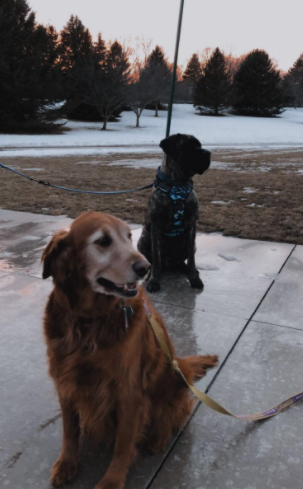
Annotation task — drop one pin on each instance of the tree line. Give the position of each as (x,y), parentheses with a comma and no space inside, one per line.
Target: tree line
(47,75)
(251,85)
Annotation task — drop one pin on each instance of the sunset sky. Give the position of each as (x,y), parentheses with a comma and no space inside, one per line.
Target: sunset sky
(233,25)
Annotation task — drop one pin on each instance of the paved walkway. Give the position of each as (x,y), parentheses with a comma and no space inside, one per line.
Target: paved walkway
(251,314)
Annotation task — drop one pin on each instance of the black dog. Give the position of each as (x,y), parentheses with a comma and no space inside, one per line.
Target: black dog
(169,233)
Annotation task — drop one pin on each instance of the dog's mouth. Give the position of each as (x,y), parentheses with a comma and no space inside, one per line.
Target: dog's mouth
(126,290)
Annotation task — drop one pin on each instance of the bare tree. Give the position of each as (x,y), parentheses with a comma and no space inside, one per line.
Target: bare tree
(139,95)
(100,91)
(141,53)
(233,63)
(143,89)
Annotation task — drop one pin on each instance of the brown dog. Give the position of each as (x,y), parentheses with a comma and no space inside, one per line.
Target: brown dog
(112,378)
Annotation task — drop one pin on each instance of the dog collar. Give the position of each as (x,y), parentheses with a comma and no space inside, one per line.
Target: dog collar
(178,194)
(169,181)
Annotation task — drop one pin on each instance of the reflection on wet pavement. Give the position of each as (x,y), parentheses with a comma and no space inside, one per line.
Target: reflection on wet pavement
(260,363)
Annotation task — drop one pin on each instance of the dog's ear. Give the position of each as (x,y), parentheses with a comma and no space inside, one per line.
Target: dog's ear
(170,144)
(56,255)
(165,145)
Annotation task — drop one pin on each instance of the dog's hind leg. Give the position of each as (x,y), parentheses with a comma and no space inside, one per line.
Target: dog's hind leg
(169,419)
(66,467)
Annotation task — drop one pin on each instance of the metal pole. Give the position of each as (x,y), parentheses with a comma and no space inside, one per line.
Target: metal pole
(173,80)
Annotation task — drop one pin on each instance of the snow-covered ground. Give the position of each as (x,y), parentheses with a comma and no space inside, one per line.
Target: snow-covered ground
(214,132)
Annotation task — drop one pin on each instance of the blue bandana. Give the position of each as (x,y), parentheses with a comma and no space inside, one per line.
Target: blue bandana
(178,194)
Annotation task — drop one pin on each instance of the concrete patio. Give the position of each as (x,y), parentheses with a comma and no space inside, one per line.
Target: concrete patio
(250,313)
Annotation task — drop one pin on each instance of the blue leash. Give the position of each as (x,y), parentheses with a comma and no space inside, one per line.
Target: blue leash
(58,187)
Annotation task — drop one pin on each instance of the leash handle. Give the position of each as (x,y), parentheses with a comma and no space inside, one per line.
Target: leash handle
(206,399)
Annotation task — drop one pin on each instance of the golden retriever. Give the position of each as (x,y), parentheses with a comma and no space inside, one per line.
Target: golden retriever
(113,380)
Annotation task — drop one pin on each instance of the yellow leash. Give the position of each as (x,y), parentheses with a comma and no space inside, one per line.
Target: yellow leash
(211,403)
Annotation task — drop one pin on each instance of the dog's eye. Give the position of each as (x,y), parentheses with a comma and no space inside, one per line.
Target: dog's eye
(130,236)
(104,242)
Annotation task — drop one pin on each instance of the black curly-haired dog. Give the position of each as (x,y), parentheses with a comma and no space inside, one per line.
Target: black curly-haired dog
(169,233)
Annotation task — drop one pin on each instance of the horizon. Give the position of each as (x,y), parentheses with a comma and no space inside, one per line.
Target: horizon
(238,29)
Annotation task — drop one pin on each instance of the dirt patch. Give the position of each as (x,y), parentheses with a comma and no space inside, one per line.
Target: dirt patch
(271,208)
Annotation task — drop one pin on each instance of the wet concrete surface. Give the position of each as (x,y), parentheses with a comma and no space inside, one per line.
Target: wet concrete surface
(284,303)
(260,365)
(234,272)
(217,452)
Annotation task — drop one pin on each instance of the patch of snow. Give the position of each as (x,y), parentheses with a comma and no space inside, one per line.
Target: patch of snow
(33,169)
(152,163)
(228,257)
(264,168)
(220,202)
(251,205)
(209,268)
(250,190)
(221,165)
(214,132)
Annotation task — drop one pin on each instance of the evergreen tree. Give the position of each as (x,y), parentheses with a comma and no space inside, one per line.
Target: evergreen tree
(117,64)
(99,49)
(27,57)
(76,43)
(213,88)
(293,83)
(158,70)
(77,50)
(193,70)
(257,86)
(101,81)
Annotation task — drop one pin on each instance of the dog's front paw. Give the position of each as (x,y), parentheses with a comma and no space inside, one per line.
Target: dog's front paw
(63,471)
(195,281)
(153,285)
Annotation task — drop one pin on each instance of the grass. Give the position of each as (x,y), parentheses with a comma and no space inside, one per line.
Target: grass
(274,212)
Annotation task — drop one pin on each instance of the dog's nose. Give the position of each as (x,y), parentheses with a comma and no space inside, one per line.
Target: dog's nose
(141,268)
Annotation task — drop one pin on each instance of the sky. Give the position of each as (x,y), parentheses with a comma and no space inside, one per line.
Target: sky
(233,25)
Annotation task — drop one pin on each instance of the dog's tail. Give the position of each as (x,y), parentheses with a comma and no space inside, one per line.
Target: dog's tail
(194,368)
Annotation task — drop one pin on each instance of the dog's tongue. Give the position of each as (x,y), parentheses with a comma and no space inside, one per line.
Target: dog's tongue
(130,286)
(120,286)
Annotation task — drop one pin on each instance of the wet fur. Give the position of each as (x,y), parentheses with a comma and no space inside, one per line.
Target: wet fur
(113,383)
(183,158)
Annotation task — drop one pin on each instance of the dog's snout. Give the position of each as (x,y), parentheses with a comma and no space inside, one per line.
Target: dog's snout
(141,268)
(206,158)
(206,154)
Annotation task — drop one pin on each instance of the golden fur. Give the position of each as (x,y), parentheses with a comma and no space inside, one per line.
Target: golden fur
(113,382)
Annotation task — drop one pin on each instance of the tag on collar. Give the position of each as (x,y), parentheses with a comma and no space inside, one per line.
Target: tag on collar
(128,314)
